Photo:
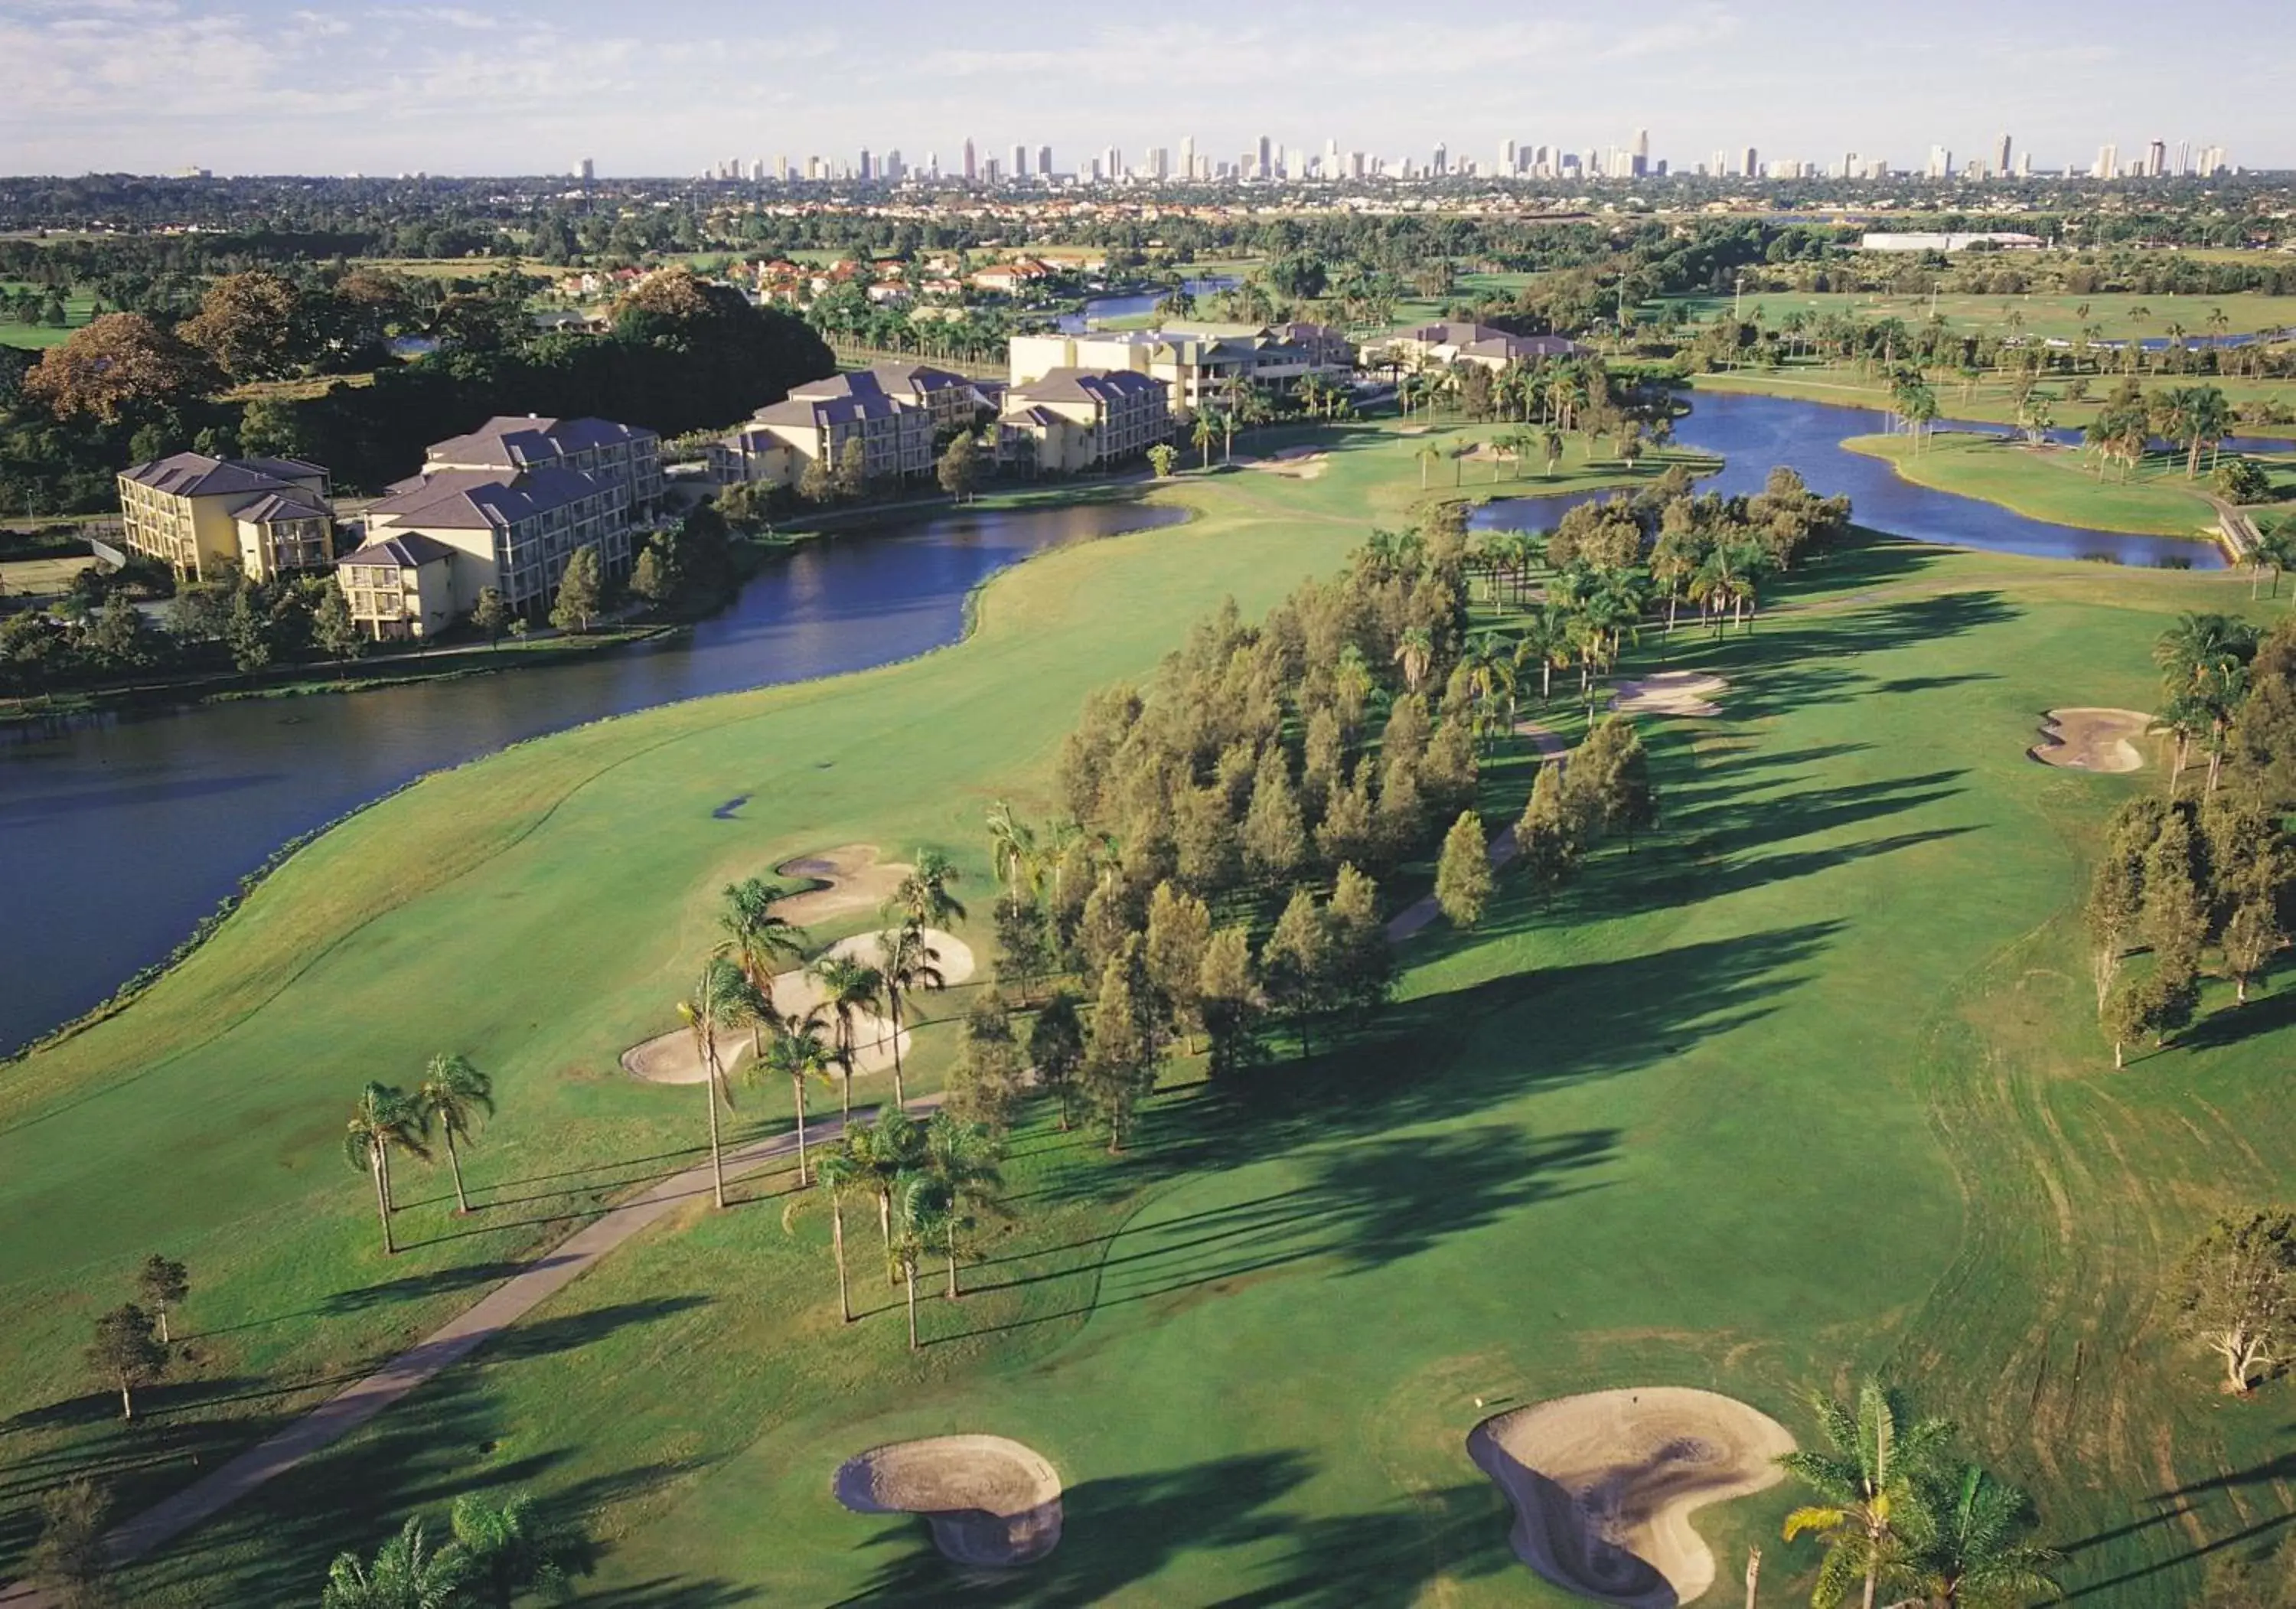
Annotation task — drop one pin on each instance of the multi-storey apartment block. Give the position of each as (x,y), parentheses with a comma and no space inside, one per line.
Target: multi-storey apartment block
(200,515)
(1071,420)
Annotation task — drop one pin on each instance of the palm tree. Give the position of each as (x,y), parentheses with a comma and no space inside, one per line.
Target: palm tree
(383,1120)
(723,998)
(798,1053)
(406,1574)
(1201,435)
(1976,1557)
(924,896)
(847,986)
(1018,856)
(457,1097)
(1868,1483)
(1428,454)
(840,1174)
(887,1152)
(508,1550)
(2275,550)
(961,1158)
(907,962)
(918,1224)
(755,937)
(1414,651)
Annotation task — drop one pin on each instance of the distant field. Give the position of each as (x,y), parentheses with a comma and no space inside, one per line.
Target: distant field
(80,307)
(452,267)
(2118,317)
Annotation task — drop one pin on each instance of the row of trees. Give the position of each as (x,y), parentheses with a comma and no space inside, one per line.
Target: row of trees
(2182,879)
(453,1102)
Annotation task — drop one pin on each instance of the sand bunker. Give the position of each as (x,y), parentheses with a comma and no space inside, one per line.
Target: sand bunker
(1298,463)
(989,1500)
(671,1058)
(1603,1485)
(2091,740)
(853,879)
(1670,692)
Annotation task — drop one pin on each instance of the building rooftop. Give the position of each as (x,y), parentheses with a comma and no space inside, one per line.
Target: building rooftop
(408,550)
(197,475)
(274,506)
(488,499)
(1086,385)
(522,441)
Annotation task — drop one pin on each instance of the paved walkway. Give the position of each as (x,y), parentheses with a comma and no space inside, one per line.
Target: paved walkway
(1415,918)
(489,1316)
(512,1299)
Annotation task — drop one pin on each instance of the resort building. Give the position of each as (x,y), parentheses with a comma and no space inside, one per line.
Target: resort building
(400,587)
(597,446)
(505,507)
(1437,344)
(200,515)
(1071,420)
(896,412)
(1198,362)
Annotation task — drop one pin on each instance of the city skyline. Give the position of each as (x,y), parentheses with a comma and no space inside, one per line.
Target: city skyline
(269,86)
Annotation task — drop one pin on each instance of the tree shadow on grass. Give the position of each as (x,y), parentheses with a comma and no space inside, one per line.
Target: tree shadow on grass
(1120,1532)
(2231,1025)
(1116,1532)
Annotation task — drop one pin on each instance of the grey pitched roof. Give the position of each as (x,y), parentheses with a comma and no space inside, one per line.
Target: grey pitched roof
(408,550)
(197,475)
(1087,385)
(818,412)
(489,499)
(274,506)
(522,441)
(919,376)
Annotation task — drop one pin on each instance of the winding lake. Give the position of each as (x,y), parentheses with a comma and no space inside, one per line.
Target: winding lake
(1753,433)
(119,833)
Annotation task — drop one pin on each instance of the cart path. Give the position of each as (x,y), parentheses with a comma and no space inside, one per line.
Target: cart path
(512,1299)
(481,1322)
(1416,918)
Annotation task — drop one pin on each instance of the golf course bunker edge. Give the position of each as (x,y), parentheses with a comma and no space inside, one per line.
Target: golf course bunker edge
(989,1501)
(1603,1485)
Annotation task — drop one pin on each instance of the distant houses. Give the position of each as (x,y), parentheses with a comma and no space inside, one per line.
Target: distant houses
(1198,362)
(202,516)
(505,507)
(896,412)
(1436,344)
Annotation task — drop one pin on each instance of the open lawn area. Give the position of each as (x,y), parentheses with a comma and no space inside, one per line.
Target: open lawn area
(2056,484)
(1807,1084)
(79,308)
(2117,317)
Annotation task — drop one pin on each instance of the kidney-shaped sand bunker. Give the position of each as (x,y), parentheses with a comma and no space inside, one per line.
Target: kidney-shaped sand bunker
(989,1500)
(1603,1485)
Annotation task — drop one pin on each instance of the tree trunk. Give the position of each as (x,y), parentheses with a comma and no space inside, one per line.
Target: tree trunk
(802,1179)
(837,1244)
(952,1261)
(127,1402)
(382,1203)
(454,1162)
(166,1341)
(717,1160)
(900,1101)
(911,1268)
(885,1230)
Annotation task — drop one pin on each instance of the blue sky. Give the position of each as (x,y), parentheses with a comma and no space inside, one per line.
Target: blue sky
(668,86)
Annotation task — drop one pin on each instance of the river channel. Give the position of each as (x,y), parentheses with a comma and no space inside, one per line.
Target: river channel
(119,833)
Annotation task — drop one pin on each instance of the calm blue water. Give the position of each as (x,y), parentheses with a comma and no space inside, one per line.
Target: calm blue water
(119,833)
(1133,306)
(1755,433)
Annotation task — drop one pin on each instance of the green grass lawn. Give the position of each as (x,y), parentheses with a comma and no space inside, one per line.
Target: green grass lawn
(80,306)
(1988,400)
(2119,317)
(1807,1085)
(2056,484)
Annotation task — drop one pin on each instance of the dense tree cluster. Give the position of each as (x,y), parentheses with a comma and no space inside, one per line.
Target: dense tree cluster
(2183,881)
(682,354)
